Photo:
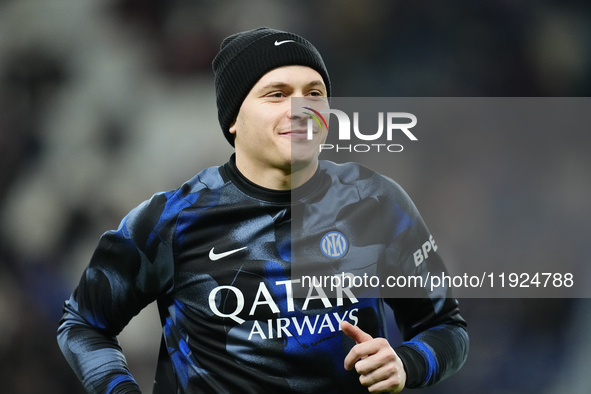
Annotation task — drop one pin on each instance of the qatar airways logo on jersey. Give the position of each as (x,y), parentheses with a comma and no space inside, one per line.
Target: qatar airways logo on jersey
(393,124)
(283,326)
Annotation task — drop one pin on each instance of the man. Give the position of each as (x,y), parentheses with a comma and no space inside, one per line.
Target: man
(216,254)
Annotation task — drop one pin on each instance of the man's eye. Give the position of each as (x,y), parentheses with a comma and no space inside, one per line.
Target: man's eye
(316,96)
(276,94)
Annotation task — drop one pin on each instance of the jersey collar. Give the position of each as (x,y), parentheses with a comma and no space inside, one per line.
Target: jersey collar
(230,172)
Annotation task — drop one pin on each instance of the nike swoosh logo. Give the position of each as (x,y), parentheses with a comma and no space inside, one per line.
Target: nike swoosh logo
(277,43)
(216,256)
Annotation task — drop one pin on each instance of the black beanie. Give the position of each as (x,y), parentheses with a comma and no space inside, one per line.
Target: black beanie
(245,57)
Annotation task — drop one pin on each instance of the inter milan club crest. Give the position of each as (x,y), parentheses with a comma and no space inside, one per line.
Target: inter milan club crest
(334,244)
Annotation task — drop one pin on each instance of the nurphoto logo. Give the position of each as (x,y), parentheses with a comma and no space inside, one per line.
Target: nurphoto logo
(344,122)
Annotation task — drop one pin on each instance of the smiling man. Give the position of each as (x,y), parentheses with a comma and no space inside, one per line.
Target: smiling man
(270,151)
(217,253)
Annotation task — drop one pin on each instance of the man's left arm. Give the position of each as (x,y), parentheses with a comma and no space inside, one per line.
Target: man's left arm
(436,342)
(422,360)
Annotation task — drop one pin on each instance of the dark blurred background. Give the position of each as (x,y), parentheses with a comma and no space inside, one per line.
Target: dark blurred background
(104,103)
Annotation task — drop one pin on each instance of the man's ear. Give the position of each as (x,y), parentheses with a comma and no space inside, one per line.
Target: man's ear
(232,128)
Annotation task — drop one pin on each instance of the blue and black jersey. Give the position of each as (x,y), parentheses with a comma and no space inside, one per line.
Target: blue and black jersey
(217,256)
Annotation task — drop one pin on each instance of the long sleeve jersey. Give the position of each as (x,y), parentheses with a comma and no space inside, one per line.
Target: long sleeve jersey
(219,257)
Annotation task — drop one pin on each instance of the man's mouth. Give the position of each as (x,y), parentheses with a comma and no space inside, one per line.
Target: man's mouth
(299,134)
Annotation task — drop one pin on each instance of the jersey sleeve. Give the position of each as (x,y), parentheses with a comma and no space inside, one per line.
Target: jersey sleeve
(435,338)
(129,269)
